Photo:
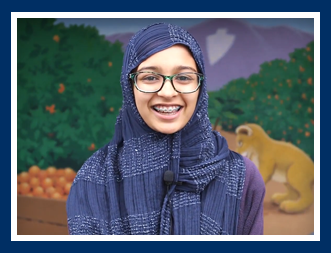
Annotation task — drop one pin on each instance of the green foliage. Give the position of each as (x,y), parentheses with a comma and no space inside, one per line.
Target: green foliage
(280,98)
(68,93)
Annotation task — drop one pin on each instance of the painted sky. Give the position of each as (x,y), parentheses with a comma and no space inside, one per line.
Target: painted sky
(109,26)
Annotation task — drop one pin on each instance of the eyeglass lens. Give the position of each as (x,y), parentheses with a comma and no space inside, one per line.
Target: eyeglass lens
(183,82)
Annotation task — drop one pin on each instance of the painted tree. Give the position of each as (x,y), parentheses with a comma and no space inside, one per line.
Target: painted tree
(68,91)
(280,98)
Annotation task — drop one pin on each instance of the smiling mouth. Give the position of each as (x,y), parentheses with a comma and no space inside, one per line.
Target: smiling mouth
(167,109)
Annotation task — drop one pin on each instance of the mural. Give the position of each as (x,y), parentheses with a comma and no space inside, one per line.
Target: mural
(282,162)
(261,99)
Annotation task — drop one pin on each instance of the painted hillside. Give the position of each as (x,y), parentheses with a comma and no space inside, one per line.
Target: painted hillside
(234,49)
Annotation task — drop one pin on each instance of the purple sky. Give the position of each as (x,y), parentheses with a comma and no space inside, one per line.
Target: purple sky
(109,26)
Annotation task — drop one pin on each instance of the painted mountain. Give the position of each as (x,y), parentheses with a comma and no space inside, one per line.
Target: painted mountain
(235,49)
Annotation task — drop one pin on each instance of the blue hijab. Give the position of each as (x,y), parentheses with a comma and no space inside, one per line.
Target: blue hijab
(120,188)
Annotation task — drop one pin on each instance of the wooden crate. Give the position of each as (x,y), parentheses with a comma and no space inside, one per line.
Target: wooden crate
(41,216)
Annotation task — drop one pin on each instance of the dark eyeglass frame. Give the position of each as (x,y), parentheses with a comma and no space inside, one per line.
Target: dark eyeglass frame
(170,78)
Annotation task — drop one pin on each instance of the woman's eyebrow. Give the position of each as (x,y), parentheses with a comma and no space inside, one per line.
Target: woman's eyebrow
(177,68)
(185,68)
(153,68)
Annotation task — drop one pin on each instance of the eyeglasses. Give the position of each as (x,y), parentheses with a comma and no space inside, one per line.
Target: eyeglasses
(151,82)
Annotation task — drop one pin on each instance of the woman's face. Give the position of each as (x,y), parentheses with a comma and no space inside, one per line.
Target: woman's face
(174,60)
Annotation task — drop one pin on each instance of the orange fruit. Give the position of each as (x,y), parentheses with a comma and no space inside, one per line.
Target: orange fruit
(61,181)
(310,81)
(24,188)
(56,38)
(67,188)
(56,195)
(47,182)
(42,174)
(59,189)
(59,172)
(34,170)
(91,147)
(62,88)
(69,174)
(50,190)
(23,177)
(38,191)
(51,171)
(34,182)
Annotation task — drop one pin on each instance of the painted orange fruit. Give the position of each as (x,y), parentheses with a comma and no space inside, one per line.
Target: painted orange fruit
(38,191)
(69,174)
(67,188)
(51,171)
(34,170)
(23,177)
(47,182)
(34,182)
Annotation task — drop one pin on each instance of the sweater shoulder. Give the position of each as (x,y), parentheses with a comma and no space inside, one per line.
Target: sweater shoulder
(253,177)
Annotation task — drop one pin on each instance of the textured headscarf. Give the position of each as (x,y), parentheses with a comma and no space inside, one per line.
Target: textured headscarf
(120,188)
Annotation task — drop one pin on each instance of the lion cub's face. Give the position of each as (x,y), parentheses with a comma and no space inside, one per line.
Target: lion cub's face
(245,140)
(243,145)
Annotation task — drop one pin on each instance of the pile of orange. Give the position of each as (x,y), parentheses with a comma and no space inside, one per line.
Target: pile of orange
(52,182)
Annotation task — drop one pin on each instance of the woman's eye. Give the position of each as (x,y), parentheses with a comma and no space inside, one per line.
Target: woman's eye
(150,78)
(182,78)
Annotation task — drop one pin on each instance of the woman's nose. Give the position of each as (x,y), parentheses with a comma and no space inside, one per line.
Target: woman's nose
(167,89)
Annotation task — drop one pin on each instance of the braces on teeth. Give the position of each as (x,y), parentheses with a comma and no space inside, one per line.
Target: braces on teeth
(170,109)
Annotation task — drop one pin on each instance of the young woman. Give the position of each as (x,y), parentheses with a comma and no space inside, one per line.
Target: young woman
(165,171)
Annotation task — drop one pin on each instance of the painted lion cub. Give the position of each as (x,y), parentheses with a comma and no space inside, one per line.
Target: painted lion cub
(281,162)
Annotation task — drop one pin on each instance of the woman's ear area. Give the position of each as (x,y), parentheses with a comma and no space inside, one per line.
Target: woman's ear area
(131,79)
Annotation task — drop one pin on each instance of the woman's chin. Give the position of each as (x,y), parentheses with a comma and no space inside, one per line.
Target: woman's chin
(167,129)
